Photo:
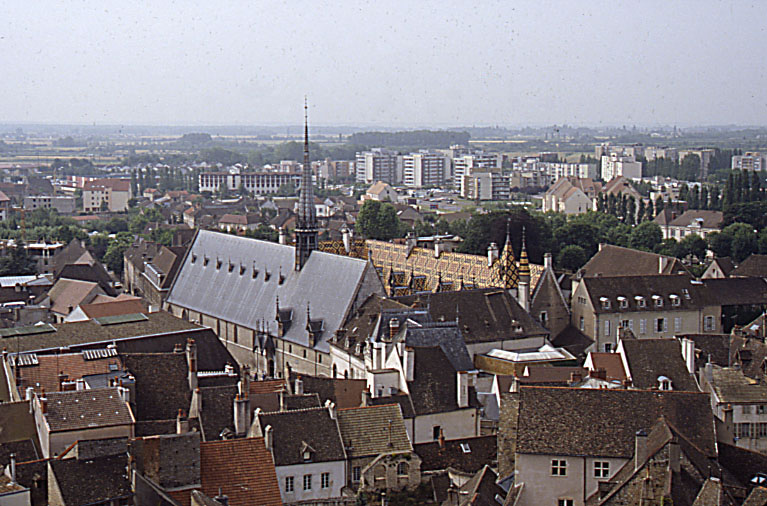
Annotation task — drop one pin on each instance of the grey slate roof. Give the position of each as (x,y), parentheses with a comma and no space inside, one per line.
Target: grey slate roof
(217,278)
(86,409)
(293,431)
(650,358)
(446,335)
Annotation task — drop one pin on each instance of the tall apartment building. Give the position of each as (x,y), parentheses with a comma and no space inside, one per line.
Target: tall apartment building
(465,164)
(615,165)
(378,164)
(110,195)
(424,168)
(750,161)
(486,185)
(259,183)
(705,156)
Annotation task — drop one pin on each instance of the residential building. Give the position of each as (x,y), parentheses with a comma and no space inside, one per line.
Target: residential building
(239,223)
(740,402)
(309,453)
(693,222)
(661,305)
(258,183)
(62,418)
(567,196)
(424,168)
(5,206)
(655,152)
(751,160)
(382,192)
(566,444)
(380,454)
(111,195)
(62,204)
(754,266)
(67,294)
(658,364)
(378,164)
(720,267)
(466,163)
(612,261)
(486,185)
(614,165)
(149,269)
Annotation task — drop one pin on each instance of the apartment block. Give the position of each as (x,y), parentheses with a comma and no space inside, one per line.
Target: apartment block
(424,168)
(378,164)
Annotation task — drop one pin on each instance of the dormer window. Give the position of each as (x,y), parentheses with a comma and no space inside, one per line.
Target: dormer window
(605,302)
(664,383)
(657,300)
(623,303)
(675,300)
(641,302)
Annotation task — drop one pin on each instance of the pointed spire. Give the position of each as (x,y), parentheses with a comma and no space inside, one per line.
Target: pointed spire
(306,230)
(524,263)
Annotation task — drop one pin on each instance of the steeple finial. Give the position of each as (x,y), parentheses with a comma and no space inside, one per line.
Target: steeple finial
(306,229)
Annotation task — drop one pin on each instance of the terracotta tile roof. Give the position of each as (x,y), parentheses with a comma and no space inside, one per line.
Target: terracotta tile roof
(267,386)
(86,409)
(611,363)
(345,393)
(710,219)
(598,422)
(46,373)
(242,469)
(113,308)
(482,450)
(67,294)
(373,430)
(613,260)
(121,185)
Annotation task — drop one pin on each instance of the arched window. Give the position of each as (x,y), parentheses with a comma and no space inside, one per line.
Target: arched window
(402,469)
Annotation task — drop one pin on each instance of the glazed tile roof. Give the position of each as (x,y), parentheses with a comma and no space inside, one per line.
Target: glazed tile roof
(449,267)
(373,430)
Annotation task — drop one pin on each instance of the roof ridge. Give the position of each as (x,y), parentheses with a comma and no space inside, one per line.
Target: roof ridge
(301,410)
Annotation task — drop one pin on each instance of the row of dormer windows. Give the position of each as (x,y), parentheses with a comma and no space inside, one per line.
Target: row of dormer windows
(641,301)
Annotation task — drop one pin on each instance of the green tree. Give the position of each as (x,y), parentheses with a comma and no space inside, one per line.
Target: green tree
(744,240)
(572,257)
(113,258)
(378,220)
(17,262)
(646,236)
(692,246)
(720,244)
(659,205)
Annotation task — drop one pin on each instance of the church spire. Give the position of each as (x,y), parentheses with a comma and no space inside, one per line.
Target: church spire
(306,226)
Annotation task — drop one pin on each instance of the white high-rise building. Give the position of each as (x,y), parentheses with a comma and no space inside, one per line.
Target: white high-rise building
(750,161)
(463,165)
(616,165)
(424,168)
(378,164)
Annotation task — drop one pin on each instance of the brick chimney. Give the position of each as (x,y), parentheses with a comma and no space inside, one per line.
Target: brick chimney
(43,401)
(393,328)
(548,262)
(299,386)
(367,399)
(182,422)
(599,373)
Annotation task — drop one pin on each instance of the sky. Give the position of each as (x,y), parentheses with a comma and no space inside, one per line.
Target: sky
(413,63)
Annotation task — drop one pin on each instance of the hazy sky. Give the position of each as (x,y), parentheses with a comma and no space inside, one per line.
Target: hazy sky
(396,63)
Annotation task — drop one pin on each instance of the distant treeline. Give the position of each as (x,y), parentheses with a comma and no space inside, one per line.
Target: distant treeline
(424,138)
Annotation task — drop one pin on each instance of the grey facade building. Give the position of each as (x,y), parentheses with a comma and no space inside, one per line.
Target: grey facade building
(62,204)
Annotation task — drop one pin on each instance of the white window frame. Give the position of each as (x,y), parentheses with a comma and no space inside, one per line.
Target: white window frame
(307,482)
(607,328)
(658,328)
(709,323)
(325,480)
(643,326)
(356,474)
(677,324)
(565,501)
(290,484)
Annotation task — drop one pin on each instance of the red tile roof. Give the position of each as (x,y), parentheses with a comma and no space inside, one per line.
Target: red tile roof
(113,308)
(120,185)
(267,386)
(46,373)
(243,469)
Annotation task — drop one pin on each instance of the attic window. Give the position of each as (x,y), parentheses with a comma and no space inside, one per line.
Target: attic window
(242,269)
(675,300)
(255,273)
(465,448)
(231,266)
(194,258)
(686,293)
(623,302)
(267,275)
(218,263)
(658,300)
(605,302)
(205,261)
(664,383)
(640,301)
